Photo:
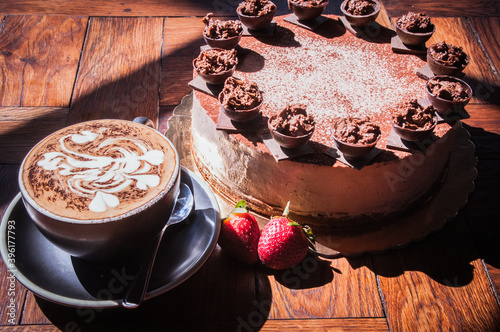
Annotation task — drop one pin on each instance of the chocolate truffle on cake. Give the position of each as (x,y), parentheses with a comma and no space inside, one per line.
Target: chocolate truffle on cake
(411,115)
(256,14)
(221,34)
(240,100)
(215,65)
(446,59)
(292,127)
(448,94)
(412,121)
(414,28)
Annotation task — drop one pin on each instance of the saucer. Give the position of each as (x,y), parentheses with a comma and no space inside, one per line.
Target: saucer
(56,276)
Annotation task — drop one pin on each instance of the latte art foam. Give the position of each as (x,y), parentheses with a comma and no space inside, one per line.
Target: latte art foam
(95,175)
(107,169)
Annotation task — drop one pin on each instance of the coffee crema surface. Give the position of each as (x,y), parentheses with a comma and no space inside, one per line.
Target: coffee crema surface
(99,169)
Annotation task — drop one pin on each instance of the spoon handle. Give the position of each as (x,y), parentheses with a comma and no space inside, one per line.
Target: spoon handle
(136,290)
(135,293)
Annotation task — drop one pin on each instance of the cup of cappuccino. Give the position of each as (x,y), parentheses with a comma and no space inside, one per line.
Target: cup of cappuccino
(101,189)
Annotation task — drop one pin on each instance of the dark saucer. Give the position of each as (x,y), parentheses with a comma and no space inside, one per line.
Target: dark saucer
(58,277)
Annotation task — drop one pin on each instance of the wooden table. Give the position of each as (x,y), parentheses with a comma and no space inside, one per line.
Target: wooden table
(63,62)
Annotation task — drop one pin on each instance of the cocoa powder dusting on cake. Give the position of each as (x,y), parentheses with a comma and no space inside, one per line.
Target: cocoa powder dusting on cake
(334,77)
(348,77)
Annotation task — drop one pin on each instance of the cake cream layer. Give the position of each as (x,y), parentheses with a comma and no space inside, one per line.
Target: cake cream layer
(336,75)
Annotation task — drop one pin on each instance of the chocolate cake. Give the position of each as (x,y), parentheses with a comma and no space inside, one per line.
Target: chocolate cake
(335,75)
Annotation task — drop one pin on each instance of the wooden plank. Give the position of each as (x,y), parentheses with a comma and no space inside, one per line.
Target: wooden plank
(22,127)
(172,8)
(438,283)
(333,325)
(482,213)
(109,7)
(346,324)
(494,272)
(484,128)
(223,290)
(383,18)
(479,75)
(450,8)
(344,289)
(39,59)
(484,117)
(31,328)
(12,293)
(179,51)
(119,75)
(32,314)
(488,30)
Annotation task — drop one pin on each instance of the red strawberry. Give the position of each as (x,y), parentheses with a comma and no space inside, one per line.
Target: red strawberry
(283,243)
(240,234)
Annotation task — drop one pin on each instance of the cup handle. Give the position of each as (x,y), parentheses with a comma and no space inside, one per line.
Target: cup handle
(145,121)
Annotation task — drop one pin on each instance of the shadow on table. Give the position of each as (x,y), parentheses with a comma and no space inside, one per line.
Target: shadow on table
(447,255)
(223,295)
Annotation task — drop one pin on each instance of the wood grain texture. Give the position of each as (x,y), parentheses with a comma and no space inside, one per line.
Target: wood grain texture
(483,128)
(182,41)
(173,8)
(22,127)
(331,325)
(483,81)
(494,272)
(33,315)
(38,59)
(488,30)
(439,282)
(119,75)
(316,289)
(449,8)
(383,18)
(484,117)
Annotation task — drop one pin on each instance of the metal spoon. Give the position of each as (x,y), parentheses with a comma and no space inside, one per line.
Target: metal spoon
(137,289)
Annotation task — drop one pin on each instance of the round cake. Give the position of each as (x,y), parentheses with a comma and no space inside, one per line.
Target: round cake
(336,75)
